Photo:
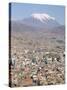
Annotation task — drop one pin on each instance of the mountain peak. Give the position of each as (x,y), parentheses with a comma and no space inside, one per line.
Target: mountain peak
(41,20)
(42,16)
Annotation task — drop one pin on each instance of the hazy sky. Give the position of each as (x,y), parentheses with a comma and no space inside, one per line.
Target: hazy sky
(20,11)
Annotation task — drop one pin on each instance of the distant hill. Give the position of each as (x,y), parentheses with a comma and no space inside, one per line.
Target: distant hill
(58,30)
(38,23)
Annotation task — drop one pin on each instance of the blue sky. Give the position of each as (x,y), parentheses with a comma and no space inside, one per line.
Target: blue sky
(20,11)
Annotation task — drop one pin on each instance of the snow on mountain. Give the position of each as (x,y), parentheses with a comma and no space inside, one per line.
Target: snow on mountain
(41,20)
(42,17)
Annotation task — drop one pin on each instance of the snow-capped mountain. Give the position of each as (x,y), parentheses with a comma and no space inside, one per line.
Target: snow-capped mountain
(42,17)
(41,20)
